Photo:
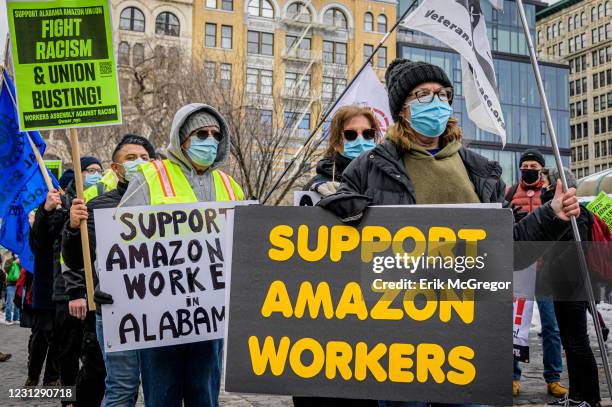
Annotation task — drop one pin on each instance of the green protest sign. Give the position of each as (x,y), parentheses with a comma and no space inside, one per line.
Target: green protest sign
(55,166)
(602,207)
(64,63)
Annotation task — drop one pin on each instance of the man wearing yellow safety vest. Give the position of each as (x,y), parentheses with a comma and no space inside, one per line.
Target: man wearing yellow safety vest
(199,144)
(107,182)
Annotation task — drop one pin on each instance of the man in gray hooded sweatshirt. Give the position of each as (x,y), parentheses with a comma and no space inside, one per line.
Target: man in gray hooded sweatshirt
(199,143)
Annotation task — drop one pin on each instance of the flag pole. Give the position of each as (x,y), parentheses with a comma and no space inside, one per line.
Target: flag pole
(331,108)
(555,147)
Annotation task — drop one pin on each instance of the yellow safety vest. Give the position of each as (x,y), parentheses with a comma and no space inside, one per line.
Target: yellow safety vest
(108,182)
(168,184)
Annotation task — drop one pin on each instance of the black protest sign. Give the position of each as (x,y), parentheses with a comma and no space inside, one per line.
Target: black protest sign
(412,304)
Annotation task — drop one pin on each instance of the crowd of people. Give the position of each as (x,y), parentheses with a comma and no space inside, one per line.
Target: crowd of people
(421,160)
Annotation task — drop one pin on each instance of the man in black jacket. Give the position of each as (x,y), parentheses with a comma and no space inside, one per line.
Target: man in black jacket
(122,368)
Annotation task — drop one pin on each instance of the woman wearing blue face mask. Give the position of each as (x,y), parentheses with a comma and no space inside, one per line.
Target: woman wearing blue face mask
(353,130)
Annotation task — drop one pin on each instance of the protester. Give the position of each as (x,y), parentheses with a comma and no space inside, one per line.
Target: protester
(13,271)
(122,368)
(353,130)
(423,162)
(199,144)
(44,340)
(525,195)
(562,270)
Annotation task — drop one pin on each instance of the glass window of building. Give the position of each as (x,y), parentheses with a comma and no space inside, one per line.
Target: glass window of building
(167,23)
(302,50)
(368,22)
(334,52)
(210,35)
(608,8)
(226,75)
(292,117)
(132,19)
(332,87)
(226,36)
(570,24)
(600,11)
(261,43)
(227,5)
(123,53)
(593,14)
(259,81)
(211,3)
(583,19)
(138,54)
(381,22)
(335,17)
(295,88)
(210,70)
(261,8)
(381,57)
(299,12)
(367,52)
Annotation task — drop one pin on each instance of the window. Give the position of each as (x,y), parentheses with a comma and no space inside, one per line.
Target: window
(594,36)
(381,22)
(260,43)
(132,19)
(210,70)
(211,3)
(227,5)
(138,55)
(332,87)
(583,19)
(539,37)
(604,148)
(608,8)
(226,36)
(334,52)
(293,88)
(596,127)
(124,53)
(600,11)
(382,57)
(597,150)
(226,75)
(302,50)
(160,55)
(167,23)
(210,35)
(368,22)
(593,14)
(259,81)
(570,24)
(548,33)
(367,51)
(299,12)
(261,8)
(596,104)
(335,17)
(292,117)
(585,129)
(595,81)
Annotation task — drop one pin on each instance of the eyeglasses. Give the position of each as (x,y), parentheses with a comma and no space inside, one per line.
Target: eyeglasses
(351,135)
(93,171)
(427,95)
(204,134)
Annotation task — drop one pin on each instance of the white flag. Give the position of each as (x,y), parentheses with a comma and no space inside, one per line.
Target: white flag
(498,4)
(367,90)
(460,24)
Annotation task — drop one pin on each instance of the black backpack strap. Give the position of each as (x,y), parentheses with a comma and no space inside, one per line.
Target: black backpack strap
(511,193)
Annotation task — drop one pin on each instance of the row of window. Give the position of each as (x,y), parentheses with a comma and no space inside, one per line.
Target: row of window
(577,43)
(602,125)
(574,22)
(298,11)
(210,36)
(225,73)
(227,5)
(580,153)
(601,149)
(578,86)
(381,55)
(137,54)
(601,33)
(578,109)
(166,23)
(578,64)
(601,56)
(602,79)
(603,166)
(579,131)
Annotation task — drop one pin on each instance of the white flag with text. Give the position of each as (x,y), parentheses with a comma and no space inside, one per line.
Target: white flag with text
(367,90)
(460,24)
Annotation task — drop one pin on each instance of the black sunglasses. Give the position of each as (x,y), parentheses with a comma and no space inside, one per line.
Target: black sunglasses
(351,135)
(204,134)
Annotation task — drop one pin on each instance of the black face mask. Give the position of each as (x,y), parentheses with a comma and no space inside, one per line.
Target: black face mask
(547,195)
(530,176)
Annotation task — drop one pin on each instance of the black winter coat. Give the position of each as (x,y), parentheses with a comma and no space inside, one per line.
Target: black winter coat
(72,252)
(45,241)
(379,177)
(326,171)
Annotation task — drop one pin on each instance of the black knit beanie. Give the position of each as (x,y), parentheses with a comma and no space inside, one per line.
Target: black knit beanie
(403,76)
(532,155)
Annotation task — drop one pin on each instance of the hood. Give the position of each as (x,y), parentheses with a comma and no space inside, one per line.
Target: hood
(420,153)
(174,148)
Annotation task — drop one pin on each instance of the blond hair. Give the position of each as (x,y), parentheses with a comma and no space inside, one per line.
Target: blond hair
(404,136)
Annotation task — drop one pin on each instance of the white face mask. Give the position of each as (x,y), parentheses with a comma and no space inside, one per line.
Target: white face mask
(131,168)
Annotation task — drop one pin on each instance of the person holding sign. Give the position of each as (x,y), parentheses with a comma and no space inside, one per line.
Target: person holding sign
(199,144)
(423,162)
(354,130)
(122,368)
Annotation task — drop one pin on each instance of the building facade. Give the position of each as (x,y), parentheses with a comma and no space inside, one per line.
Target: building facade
(525,121)
(580,33)
(291,57)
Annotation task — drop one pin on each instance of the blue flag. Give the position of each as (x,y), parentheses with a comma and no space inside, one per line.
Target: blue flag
(22,185)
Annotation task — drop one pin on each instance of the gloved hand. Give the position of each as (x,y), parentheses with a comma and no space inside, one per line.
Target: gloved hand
(518,213)
(327,188)
(100,297)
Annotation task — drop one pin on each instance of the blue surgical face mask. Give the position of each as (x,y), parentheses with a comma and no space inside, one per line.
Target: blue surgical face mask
(353,149)
(131,168)
(203,152)
(92,179)
(430,119)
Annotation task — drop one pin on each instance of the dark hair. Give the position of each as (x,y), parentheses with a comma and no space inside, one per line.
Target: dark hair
(135,140)
(341,118)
